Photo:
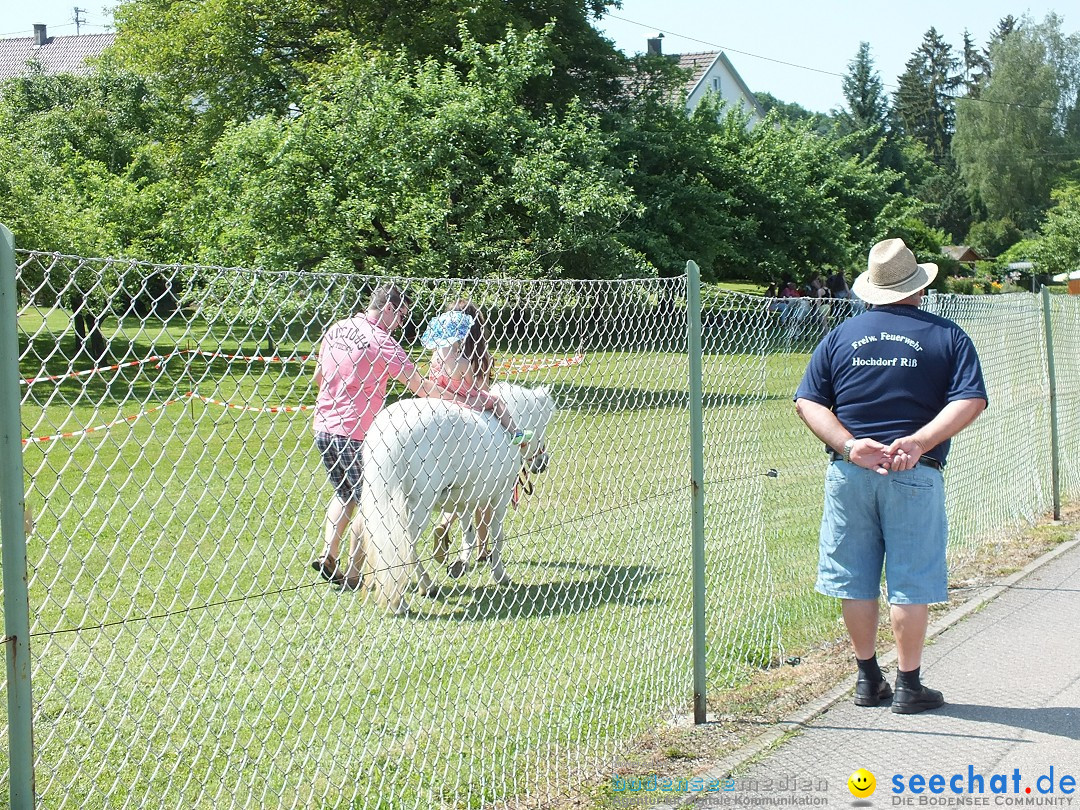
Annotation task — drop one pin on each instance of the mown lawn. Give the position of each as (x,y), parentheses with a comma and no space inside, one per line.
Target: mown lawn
(186,655)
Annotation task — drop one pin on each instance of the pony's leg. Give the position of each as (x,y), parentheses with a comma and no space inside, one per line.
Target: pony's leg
(418,519)
(458,567)
(442,536)
(498,570)
(368,555)
(483,526)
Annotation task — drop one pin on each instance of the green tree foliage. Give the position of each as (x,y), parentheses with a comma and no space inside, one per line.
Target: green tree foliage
(81,173)
(334,153)
(809,203)
(864,124)
(976,67)
(95,177)
(992,237)
(795,113)
(684,184)
(867,104)
(421,169)
(756,203)
(1058,249)
(240,59)
(1016,139)
(923,108)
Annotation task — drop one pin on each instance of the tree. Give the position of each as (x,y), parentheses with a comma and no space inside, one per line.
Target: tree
(1058,249)
(795,113)
(865,122)
(1006,25)
(867,103)
(80,174)
(748,202)
(425,169)
(976,67)
(235,60)
(805,200)
(923,106)
(1016,139)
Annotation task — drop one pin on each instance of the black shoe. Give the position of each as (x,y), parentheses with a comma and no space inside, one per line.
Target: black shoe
(328,570)
(868,693)
(913,701)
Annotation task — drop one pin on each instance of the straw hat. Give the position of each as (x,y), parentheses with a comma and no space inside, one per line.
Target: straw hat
(892,274)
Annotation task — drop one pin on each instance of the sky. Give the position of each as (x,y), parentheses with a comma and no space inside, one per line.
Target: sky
(800,51)
(797,51)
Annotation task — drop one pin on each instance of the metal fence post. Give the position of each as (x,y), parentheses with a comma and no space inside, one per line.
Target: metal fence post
(697,483)
(1055,468)
(13,541)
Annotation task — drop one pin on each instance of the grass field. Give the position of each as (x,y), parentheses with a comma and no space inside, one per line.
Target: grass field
(184,654)
(184,650)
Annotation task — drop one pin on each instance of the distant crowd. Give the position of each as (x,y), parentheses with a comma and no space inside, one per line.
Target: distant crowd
(835,286)
(815,306)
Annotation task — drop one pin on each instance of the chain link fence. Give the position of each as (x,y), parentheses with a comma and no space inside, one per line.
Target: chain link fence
(184,653)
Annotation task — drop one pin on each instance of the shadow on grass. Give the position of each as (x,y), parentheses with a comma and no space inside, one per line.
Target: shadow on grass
(601,585)
(592,398)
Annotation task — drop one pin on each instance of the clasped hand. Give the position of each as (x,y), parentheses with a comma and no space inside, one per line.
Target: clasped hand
(902,454)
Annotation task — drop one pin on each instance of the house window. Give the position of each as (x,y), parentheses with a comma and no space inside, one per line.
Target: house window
(716,84)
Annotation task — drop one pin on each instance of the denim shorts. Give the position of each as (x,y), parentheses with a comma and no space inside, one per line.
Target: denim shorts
(896,520)
(344,463)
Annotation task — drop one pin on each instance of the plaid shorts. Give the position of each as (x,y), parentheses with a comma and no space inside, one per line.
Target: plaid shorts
(344,463)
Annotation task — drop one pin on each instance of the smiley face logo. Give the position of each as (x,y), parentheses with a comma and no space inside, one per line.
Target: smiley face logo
(861,783)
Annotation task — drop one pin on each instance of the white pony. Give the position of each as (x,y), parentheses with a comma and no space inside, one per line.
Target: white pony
(424,455)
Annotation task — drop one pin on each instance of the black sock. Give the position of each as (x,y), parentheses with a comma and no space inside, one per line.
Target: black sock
(869,669)
(909,679)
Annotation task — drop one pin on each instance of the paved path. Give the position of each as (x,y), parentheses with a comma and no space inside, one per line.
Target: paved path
(1008,663)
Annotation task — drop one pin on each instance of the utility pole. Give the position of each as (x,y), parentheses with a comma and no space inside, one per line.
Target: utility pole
(78,20)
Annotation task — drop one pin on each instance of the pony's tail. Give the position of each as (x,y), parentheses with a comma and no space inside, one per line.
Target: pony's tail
(390,545)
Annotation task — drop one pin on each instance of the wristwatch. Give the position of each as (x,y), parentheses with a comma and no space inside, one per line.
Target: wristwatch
(846,455)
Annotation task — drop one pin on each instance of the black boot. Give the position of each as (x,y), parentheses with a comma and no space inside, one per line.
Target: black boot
(912,697)
(871,687)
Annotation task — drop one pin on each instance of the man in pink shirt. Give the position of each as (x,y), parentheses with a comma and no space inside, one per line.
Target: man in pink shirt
(357,359)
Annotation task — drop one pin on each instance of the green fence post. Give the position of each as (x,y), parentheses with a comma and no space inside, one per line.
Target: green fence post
(13,541)
(697,483)
(1055,468)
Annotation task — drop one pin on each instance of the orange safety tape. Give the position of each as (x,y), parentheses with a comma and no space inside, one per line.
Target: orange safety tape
(522,366)
(35,439)
(188,395)
(161,358)
(153,358)
(253,358)
(272,409)
(507,365)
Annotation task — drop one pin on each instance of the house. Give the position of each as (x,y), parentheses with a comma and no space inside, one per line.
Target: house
(712,71)
(20,56)
(962,254)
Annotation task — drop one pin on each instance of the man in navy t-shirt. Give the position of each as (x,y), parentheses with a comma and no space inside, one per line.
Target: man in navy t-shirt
(886,391)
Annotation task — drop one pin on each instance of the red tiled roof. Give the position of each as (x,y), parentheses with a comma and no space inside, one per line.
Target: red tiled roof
(698,63)
(59,55)
(961,253)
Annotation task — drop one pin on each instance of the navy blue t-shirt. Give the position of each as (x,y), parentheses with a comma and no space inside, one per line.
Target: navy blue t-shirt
(888,372)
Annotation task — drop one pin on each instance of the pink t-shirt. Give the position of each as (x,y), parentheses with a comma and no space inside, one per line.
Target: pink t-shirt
(356,360)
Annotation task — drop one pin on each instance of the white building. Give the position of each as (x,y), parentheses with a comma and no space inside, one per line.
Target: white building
(713,71)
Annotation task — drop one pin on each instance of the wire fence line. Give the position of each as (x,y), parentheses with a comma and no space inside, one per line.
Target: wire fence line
(183,652)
